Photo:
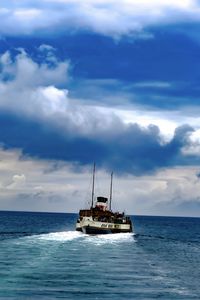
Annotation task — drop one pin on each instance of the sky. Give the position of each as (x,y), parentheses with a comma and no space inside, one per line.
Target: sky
(110,82)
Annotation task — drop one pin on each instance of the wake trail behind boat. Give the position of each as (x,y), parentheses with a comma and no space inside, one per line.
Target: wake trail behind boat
(67,236)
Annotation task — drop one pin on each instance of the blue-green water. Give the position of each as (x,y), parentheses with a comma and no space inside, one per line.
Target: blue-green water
(42,257)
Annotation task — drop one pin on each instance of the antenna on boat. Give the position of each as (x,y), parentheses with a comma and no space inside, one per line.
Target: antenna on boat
(111,183)
(93,179)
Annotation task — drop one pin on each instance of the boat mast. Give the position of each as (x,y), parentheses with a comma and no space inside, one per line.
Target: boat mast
(111,183)
(93,179)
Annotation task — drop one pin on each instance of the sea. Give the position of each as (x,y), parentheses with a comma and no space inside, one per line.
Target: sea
(43,257)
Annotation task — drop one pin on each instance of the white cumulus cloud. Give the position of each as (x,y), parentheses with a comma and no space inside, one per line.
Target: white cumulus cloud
(29,87)
(35,90)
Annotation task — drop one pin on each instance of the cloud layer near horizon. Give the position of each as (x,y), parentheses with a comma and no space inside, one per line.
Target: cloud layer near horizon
(36,185)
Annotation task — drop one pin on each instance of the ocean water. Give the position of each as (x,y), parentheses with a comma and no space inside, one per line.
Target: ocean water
(42,257)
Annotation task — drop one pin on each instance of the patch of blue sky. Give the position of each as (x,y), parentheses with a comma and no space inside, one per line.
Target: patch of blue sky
(167,65)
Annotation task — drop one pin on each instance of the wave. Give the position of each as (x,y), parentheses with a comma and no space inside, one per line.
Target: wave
(66,236)
(60,236)
(110,238)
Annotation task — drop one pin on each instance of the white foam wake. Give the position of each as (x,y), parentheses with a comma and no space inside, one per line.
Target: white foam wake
(60,236)
(100,239)
(110,238)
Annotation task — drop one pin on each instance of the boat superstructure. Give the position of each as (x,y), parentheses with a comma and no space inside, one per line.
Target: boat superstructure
(100,219)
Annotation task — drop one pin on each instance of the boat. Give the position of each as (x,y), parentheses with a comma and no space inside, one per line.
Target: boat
(99,218)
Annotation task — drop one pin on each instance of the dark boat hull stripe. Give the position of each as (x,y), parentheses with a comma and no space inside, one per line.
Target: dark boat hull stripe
(94,230)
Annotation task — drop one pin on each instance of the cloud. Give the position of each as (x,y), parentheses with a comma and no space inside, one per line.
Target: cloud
(43,121)
(17,181)
(34,188)
(105,17)
(153,84)
(23,71)
(30,86)
(170,96)
(123,148)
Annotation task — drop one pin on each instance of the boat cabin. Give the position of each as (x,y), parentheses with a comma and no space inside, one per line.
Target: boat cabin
(101,203)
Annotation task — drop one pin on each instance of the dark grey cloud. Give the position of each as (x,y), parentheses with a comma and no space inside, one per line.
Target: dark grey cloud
(123,148)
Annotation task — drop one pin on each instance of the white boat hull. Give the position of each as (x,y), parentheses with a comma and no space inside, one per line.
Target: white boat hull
(89,226)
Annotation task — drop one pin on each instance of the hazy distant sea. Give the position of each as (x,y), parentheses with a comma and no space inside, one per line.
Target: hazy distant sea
(42,257)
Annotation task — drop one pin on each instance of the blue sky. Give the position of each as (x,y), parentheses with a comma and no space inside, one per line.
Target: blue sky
(115,83)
